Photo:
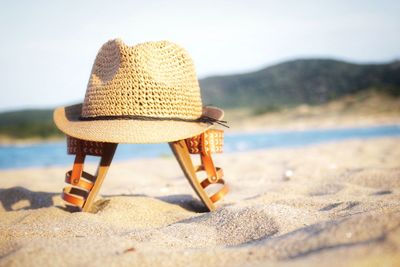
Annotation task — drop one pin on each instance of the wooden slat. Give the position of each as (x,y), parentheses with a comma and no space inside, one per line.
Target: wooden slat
(106,159)
(181,152)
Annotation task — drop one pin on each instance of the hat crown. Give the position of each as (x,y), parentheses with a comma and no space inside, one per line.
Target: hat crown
(154,79)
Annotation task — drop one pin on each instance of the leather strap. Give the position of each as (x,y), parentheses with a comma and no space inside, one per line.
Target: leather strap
(219,194)
(74,196)
(86,183)
(77,146)
(211,141)
(220,172)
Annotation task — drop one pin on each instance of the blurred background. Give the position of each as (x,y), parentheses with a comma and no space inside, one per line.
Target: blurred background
(303,71)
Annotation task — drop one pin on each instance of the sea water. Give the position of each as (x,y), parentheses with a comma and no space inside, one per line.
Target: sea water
(53,154)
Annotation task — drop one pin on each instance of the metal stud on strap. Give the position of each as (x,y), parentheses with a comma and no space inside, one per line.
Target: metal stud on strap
(86,183)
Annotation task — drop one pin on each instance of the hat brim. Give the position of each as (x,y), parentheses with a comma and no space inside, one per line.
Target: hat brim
(129,131)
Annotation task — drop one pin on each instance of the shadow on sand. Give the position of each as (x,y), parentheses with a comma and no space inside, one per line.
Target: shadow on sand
(20,198)
(185,201)
(11,199)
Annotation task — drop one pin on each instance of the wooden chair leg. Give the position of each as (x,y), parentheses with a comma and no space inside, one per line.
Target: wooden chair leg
(84,187)
(181,152)
(101,172)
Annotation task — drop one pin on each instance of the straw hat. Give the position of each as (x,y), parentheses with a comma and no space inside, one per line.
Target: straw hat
(147,93)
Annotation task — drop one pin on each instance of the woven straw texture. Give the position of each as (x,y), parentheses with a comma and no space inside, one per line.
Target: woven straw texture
(150,79)
(153,79)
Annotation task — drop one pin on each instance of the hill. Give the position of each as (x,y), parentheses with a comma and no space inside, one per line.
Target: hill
(306,81)
(289,84)
(28,123)
(365,108)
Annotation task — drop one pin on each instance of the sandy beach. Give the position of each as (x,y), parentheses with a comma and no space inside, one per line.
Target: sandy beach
(334,204)
(306,93)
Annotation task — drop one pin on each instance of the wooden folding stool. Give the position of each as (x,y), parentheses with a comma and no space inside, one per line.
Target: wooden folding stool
(83,187)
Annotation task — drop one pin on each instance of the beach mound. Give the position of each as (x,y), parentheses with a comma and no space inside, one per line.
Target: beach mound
(335,204)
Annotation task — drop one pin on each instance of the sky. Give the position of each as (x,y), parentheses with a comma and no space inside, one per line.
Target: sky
(47,48)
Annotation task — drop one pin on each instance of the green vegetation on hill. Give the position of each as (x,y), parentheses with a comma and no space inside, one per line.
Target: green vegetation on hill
(310,81)
(28,123)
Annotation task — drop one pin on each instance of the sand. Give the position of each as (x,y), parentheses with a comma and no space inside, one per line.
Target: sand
(335,204)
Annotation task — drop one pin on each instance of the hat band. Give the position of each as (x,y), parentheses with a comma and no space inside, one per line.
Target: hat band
(203,119)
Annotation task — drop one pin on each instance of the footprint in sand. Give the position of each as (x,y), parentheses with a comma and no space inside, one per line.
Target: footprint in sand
(343,206)
(325,189)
